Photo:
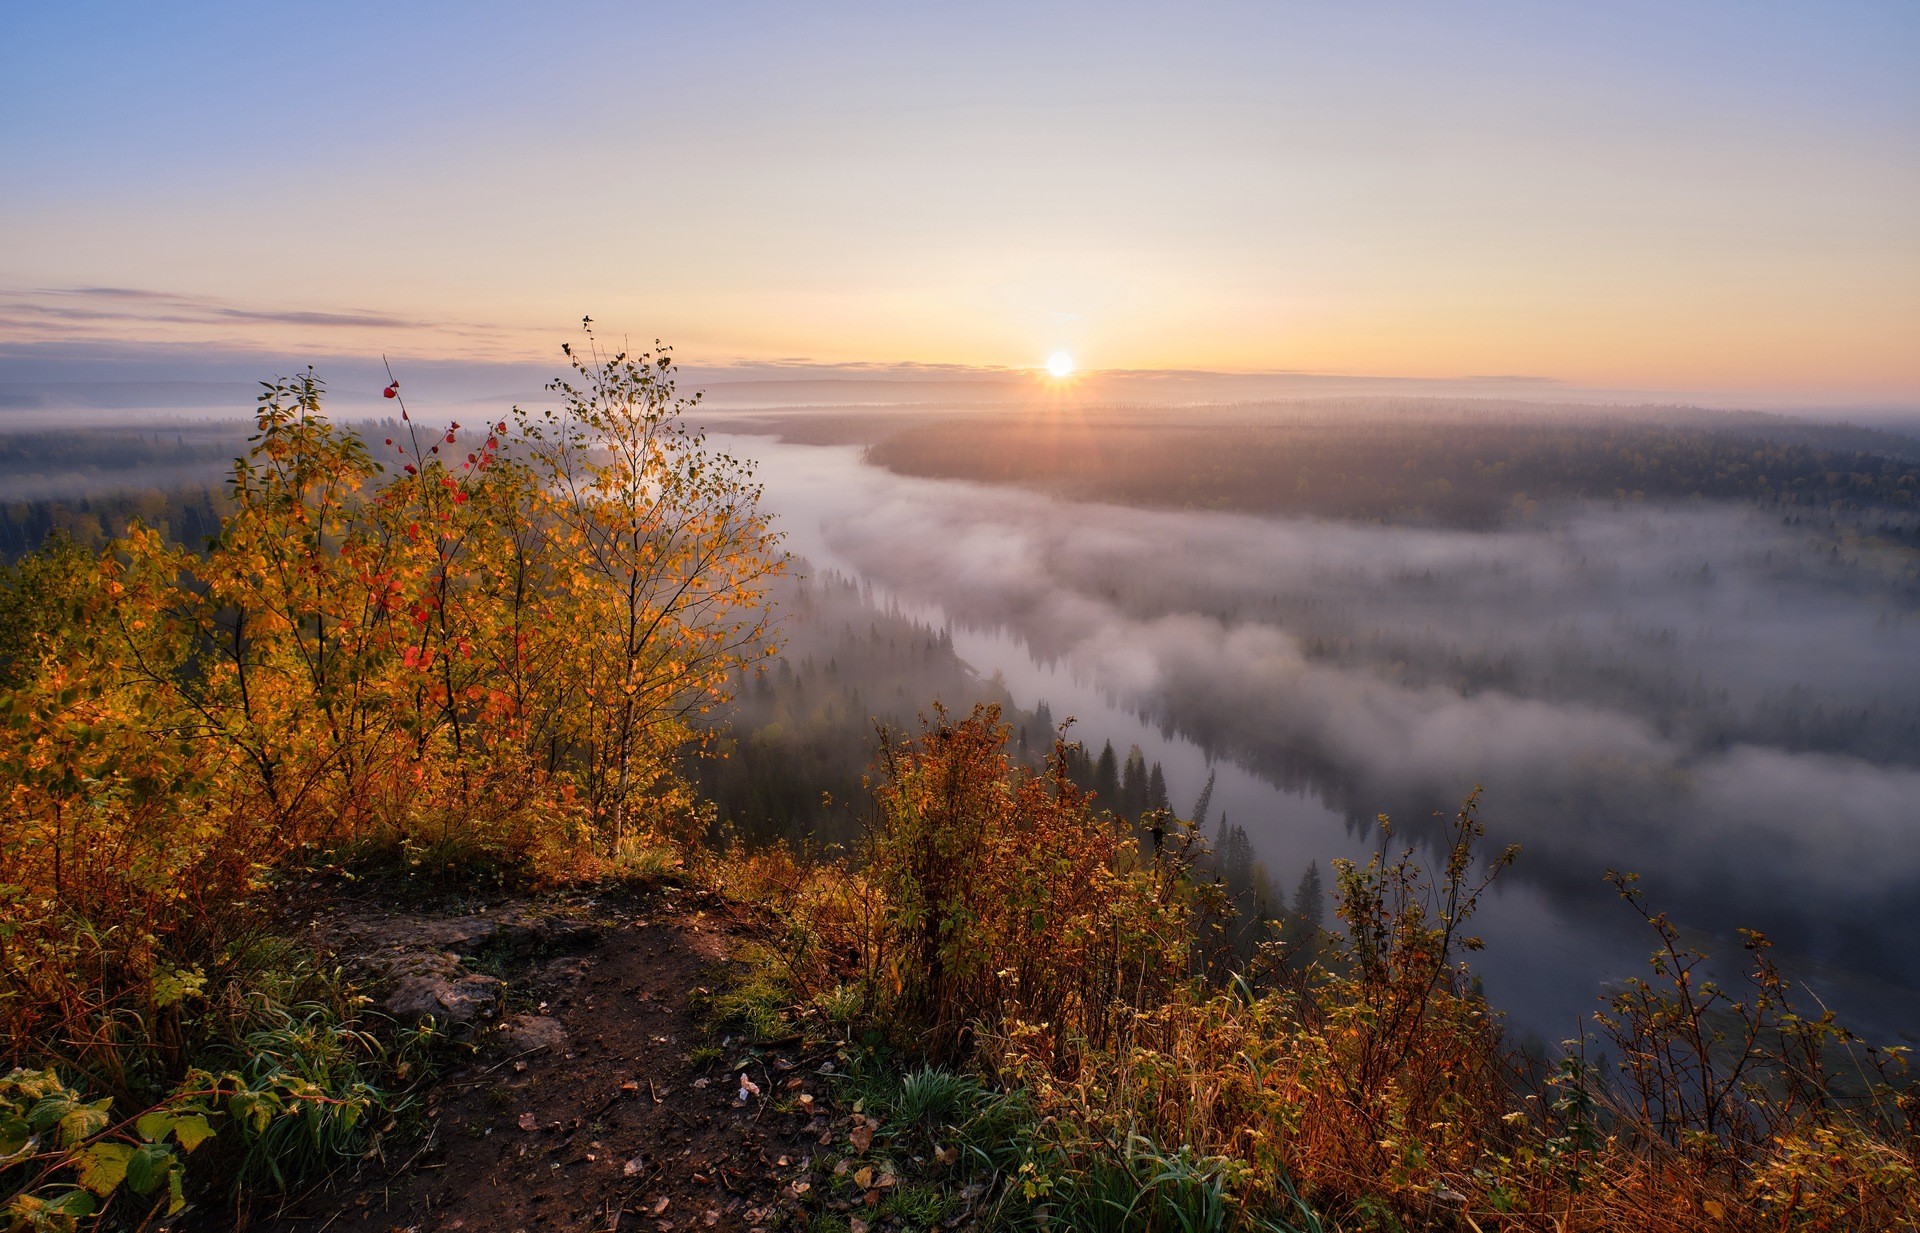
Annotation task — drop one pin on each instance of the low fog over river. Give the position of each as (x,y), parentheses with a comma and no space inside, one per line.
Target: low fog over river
(1716,699)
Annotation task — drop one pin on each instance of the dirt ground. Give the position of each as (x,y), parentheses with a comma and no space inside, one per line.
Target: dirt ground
(581,1109)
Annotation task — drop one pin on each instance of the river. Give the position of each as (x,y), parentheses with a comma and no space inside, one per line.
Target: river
(956,556)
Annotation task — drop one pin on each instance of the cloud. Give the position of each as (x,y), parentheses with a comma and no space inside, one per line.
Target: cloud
(134,304)
(126,319)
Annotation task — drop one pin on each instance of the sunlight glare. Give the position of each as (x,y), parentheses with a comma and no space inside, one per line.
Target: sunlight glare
(1060,364)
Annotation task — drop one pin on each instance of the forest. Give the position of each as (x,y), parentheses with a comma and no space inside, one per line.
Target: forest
(1465,466)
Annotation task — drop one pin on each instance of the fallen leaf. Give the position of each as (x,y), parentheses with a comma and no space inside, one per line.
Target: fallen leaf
(661,1204)
(634,1166)
(861,1137)
(528,1122)
(864,1178)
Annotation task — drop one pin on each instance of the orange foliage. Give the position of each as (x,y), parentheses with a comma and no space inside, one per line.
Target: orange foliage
(479,647)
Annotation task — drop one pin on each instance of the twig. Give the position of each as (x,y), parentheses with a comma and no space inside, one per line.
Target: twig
(479,1075)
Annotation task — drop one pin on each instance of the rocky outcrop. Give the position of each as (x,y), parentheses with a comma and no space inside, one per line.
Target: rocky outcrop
(418,966)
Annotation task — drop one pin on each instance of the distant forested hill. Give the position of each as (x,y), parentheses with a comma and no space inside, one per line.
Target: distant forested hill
(1434,465)
(87,482)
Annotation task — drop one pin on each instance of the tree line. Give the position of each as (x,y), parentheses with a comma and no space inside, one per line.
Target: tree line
(1413,467)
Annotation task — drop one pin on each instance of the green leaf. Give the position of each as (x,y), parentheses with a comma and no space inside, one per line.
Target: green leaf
(83,1122)
(34,1084)
(15,1134)
(103,1167)
(48,1110)
(73,1205)
(191,1130)
(173,985)
(176,1191)
(155,1125)
(149,1166)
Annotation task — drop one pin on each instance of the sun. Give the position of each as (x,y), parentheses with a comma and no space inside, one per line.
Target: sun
(1060,364)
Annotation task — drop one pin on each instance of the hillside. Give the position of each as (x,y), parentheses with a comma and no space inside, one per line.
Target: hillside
(432,848)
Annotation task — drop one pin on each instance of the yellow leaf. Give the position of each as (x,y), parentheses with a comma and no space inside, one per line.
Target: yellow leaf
(103,1167)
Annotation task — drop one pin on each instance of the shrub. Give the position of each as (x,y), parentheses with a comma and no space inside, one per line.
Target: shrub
(469,650)
(991,893)
(998,925)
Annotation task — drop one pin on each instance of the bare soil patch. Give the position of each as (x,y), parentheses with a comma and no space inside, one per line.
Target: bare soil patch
(581,1108)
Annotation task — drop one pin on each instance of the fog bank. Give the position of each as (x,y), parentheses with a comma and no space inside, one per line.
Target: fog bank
(1726,704)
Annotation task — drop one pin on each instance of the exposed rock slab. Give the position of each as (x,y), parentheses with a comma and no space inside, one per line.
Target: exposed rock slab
(417,964)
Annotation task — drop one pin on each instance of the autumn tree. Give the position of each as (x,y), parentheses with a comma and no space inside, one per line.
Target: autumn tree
(669,555)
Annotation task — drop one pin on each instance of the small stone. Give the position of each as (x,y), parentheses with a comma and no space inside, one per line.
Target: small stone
(524,1032)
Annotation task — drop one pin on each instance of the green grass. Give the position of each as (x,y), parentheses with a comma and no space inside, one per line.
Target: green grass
(943,1131)
(755,999)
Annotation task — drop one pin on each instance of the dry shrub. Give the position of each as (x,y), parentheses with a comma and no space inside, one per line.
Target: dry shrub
(998,920)
(1379,1077)
(988,893)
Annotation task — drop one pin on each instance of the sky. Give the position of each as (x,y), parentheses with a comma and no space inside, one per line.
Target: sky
(1703,196)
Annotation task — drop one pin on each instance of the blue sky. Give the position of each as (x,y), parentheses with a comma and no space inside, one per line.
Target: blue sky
(1704,195)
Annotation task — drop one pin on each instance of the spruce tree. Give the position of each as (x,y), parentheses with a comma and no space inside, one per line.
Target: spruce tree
(1106,779)
(1133,784)
(1310,902)
(1201,806)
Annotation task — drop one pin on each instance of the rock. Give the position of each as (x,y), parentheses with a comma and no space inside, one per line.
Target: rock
(416,960)
(524,1032)
(445,997)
